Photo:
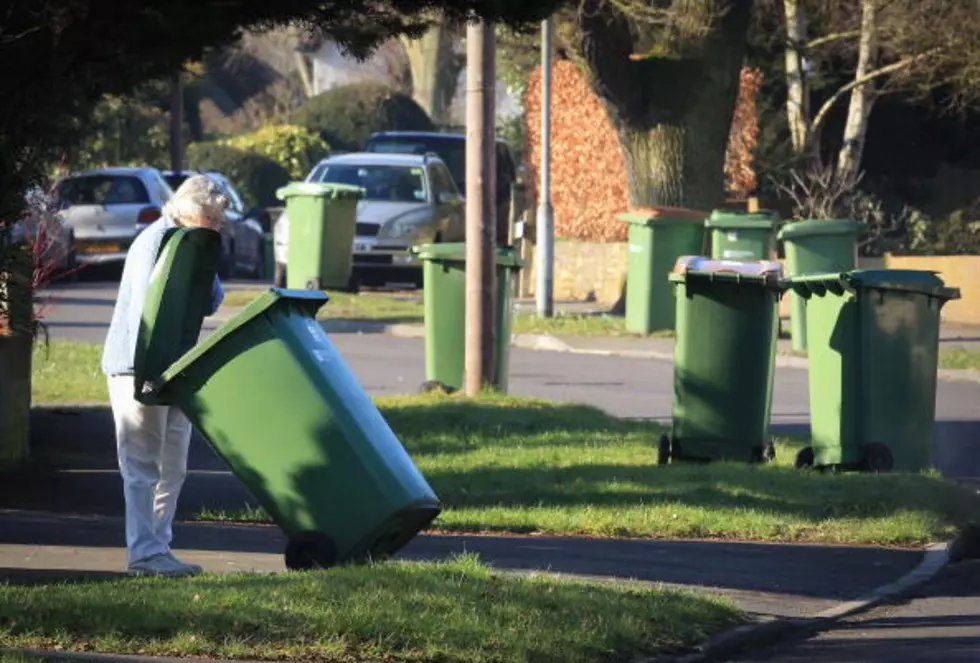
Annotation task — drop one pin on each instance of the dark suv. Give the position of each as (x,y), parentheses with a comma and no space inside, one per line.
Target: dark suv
(451,148)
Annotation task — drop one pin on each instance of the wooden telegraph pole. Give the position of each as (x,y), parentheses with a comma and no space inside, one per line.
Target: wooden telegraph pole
(480,208)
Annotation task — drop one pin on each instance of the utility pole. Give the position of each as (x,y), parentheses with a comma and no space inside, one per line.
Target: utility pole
(480,209)
(545,247)
(177,124)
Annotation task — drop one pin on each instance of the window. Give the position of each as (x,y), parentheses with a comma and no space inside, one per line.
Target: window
(102,190)
(451,149)
(442,181)
(400,184)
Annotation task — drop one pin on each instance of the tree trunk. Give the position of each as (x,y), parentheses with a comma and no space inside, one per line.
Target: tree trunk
(862,97)
(435,70)
(797,87)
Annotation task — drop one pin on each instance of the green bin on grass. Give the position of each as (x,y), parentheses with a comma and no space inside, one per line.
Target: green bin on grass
(873,362)
(816,246)
(279,404)
(322,224)
(444,293)
(742,235)
(657,238)
(724,356)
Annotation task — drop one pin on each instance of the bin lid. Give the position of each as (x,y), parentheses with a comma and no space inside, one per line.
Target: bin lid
(320,189)
(816,227)
(906,280)
(661,216)
(177,301)
(456,252)
(766,272)
(307,301)
(736,220)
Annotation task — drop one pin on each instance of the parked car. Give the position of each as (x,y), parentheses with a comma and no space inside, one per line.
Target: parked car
(409,199)
(107,206)
(242,236)
(451,148)
(52,239)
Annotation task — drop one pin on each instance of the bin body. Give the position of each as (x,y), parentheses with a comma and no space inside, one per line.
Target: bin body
(724,356)
(742,236)
(657,238)
(322,221)
(816,247)
(444,295)
(874,353)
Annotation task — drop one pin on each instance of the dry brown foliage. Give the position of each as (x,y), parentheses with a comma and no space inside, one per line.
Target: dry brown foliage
(740,175)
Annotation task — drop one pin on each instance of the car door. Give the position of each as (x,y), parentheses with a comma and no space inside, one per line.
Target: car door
(448,213)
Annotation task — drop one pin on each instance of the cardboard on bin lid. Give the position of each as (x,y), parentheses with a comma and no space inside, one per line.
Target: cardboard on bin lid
(701,264)
(177,301)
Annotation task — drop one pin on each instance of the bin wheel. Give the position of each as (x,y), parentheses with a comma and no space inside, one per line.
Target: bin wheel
(310,550)
(313,284)
(876,458)
(804,459)
(763,453)
(663,450)
(430,386)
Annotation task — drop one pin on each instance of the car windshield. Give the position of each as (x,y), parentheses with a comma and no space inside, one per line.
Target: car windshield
(452,151)
(399,184)
(102,190)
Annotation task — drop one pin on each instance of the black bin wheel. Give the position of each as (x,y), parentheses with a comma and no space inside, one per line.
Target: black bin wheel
(430,386)
(763,453)
(310,550)
(876,458)
(804,459)
(663,450)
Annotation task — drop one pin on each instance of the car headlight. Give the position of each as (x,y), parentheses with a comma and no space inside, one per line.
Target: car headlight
(397,229)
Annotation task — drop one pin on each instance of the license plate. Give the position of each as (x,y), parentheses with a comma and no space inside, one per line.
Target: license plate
(101,247)
(361,248)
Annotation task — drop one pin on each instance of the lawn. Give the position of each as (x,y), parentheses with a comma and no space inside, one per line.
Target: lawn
(458,610)
(960,358)
(505,464)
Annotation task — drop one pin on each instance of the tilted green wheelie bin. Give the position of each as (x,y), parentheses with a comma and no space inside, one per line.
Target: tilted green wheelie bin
(816,246)
(874,354)
(444,292)
(322,222)
(724,356)
(742,235)
(278,403)
(657,238)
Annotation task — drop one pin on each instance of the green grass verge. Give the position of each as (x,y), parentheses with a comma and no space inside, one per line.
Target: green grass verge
(68,372)
(960,359)
(455,611)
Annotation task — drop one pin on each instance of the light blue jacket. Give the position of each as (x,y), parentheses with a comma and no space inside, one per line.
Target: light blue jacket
(119,352)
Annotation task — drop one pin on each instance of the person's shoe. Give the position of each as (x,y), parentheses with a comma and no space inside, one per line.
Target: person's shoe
(160,565)
(192,569)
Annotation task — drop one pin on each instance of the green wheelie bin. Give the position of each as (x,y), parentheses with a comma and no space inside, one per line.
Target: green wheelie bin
(444,293)
(816,246)
(724,357)
(279,404)
(657,238)
(742,235)
(322,223)
(874,355)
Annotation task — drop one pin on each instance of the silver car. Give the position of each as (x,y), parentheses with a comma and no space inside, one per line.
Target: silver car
(51,239)
(106,207)
(409,200)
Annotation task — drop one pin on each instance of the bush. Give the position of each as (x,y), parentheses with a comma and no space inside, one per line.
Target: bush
(297,149)
(256,176)
(347,115)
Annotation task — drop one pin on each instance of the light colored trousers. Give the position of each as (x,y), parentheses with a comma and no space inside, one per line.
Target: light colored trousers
(152,444)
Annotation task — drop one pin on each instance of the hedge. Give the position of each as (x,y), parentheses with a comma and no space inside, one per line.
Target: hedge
(256,176)
(297,149)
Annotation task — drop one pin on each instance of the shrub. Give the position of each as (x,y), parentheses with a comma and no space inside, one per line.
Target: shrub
(297,149)
(347,115)
(256,176)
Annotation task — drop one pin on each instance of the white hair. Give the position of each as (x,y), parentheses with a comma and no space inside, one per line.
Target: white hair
(198,197)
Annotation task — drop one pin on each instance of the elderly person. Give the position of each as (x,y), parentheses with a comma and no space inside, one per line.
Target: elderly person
(152,441)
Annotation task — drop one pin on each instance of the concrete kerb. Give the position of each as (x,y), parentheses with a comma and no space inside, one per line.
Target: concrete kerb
(767,633)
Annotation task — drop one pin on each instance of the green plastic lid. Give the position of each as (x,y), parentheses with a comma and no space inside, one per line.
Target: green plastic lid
(308,302)
(661,216)
(724,219)
(177,300)
(905,280)
(321,190)
(817,227)
(456,252)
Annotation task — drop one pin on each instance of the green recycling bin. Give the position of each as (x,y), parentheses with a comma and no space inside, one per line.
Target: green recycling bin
(322,223)
(657,238)
(444,292)
(742,235)
(874,355)
(279,404)
(816,246)
(724,357)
